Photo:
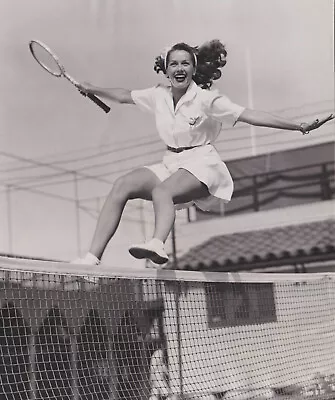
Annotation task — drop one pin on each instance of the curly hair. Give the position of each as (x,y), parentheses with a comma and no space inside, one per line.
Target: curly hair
(208,58)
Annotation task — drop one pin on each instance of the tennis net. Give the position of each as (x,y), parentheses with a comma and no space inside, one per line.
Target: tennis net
(159,334)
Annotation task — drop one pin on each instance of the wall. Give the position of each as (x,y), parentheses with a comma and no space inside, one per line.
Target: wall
(291,350)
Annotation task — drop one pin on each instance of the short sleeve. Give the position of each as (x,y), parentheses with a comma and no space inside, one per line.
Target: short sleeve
(145,99)
(222,109)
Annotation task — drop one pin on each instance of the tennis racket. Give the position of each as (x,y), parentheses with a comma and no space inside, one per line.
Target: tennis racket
(50,62)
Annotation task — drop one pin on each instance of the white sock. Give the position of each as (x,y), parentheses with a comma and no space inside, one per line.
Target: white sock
(157,241)
(92,259)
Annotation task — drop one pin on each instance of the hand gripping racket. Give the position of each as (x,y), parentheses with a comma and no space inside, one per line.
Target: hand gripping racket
(50,62)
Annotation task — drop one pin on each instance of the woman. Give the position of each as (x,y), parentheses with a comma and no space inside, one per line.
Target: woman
(188,117)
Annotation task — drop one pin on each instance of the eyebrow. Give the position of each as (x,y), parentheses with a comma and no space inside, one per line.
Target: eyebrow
(174,60)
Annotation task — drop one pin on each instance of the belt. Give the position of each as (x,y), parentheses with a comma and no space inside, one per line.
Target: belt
(180,149)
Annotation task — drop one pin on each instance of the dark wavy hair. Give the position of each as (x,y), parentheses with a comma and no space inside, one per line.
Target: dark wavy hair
(208,58)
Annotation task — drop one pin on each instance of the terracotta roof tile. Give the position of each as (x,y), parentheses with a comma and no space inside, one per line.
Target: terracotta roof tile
(253,249)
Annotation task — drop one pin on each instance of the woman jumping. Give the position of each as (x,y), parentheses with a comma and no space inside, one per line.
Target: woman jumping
(189,116)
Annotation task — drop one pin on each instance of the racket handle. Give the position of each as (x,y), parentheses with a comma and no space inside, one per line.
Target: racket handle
(98,102)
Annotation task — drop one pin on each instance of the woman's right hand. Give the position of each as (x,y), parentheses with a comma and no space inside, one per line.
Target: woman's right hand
(85,88)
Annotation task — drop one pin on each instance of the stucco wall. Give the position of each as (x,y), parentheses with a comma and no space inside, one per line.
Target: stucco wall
(291,350)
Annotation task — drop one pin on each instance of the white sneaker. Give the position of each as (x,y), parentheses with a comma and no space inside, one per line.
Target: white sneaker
(89,259)
(152,250)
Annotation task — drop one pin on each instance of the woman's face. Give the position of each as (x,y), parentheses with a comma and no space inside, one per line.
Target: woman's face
(180,69)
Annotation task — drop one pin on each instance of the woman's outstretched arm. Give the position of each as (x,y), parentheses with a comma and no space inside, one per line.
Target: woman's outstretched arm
(118,95)
(260,118)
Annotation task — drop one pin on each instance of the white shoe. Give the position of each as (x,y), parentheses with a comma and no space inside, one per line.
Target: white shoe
(152,250)
(89,259)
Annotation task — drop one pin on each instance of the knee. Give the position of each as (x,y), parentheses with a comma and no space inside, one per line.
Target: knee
(122,188)
(160,191)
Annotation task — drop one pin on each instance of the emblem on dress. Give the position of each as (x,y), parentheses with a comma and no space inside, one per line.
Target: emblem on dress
(193,121)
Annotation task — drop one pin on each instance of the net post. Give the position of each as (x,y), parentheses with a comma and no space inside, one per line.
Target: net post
(178,293)
(32,362)
(74,370)
(77,209)
(9,218)
(174,247)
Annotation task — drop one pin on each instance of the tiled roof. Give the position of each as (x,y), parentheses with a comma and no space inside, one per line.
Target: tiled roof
(277,246)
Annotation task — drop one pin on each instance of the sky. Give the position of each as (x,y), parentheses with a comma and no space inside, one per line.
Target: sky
(280,57)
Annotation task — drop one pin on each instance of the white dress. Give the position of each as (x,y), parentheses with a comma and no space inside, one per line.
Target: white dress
(196,120)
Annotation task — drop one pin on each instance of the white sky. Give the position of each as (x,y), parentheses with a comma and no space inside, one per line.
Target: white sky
(113,43)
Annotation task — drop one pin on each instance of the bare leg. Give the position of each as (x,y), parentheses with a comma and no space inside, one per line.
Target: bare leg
(181,187)
(165,213)
(137,184)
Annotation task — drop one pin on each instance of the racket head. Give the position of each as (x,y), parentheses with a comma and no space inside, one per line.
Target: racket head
(46,58)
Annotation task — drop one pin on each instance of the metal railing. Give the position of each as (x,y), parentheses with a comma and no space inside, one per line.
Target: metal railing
(314,182)
(293,186)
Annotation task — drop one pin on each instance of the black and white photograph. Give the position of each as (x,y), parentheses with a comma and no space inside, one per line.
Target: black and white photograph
(167,200)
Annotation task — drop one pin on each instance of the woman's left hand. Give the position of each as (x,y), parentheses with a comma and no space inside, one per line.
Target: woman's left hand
(305,128)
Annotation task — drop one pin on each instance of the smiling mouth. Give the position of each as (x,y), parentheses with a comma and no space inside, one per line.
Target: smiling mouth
(180,77)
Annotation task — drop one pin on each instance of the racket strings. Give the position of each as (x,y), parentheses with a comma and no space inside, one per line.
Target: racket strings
(49,61)
(46,59)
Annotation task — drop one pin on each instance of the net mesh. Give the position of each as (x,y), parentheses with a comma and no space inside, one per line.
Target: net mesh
(164,334)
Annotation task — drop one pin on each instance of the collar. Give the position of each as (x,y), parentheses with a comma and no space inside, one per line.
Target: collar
(189,95)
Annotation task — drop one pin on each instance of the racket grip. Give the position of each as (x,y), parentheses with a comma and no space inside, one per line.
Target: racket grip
(98,102)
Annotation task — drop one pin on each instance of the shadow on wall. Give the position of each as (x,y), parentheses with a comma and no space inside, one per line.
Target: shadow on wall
(53,357)
(99,362)
(95,366)
(14,347)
